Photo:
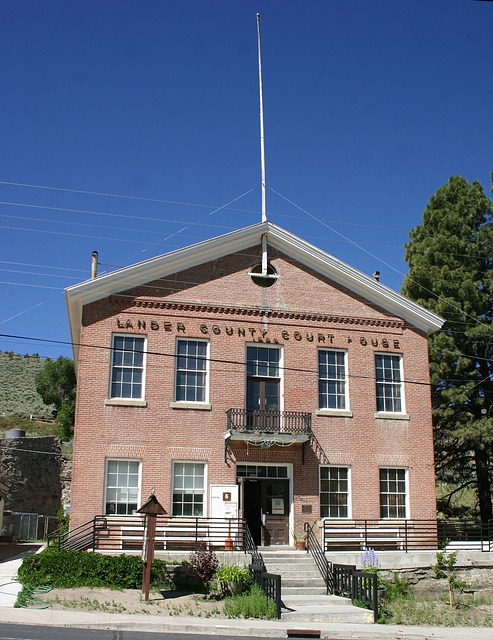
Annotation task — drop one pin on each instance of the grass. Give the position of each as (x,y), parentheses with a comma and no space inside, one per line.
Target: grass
(409,609)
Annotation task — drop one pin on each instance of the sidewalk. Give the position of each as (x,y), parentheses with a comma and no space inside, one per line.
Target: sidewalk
(235,627)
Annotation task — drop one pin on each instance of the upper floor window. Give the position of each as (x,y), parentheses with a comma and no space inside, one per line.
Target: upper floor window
(332,379)
(122,487)
(127,367)
(191,371)
(393,493)
(263,378)
(389,388)
(334,492)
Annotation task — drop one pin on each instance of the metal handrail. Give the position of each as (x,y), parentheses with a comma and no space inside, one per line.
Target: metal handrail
(407,535)
(323,565)
(250,547)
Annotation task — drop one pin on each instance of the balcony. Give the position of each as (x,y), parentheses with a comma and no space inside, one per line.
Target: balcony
(267,428)
(287,423)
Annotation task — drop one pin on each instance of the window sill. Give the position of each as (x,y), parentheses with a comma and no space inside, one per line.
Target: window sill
(124,402)
(386,415)
(196,406)
(334,413)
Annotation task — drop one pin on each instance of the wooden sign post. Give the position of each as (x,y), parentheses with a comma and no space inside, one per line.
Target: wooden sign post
(151,510)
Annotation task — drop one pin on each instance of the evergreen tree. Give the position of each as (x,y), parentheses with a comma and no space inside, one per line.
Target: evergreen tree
(450,258)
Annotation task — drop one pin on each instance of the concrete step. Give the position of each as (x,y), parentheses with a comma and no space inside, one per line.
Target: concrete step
(323,609)
(303,590)
(302,581)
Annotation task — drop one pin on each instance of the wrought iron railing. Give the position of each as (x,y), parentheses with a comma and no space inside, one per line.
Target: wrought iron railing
(80,539)
(360,586)
(323,565)
(407,535)
(270,584)
(250,547)
(289,422)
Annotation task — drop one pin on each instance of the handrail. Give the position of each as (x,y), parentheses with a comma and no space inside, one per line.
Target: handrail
(81,538)
(270,583)
(250,547)
(402,534)
(323,565)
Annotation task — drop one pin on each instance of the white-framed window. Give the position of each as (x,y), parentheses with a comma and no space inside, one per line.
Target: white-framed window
(334,492)
(188,488)
(263,373)
(389,385)
(191,370)
(332,379)
(127,367)
(122,494)
(393,493)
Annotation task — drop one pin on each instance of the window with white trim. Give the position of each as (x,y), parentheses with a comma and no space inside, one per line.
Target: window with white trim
(334,492)
(191,371)
(393,493)
(389,387)
(332,379)
(188,488)
(127,367)
(122,487)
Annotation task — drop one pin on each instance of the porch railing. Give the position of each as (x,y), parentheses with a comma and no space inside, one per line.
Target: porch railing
(407,535)
(290,422)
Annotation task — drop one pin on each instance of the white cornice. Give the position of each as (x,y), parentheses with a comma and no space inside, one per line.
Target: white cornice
(143,272)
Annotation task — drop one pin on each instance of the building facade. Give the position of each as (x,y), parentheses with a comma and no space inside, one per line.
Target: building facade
(251,375)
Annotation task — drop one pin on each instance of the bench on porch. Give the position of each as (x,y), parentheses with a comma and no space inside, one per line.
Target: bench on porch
(175,534)
(359,538)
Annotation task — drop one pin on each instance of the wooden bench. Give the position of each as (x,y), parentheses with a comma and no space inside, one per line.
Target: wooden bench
(469,545)
(355,537)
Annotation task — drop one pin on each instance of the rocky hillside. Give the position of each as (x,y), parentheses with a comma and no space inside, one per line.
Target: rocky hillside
(18,396)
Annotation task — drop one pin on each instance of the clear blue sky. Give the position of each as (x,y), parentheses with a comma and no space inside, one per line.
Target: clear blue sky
(369,108)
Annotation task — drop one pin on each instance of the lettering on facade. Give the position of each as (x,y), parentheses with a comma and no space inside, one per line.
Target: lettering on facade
(256,334)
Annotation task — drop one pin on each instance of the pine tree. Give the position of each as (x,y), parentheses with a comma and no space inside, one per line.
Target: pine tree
(450,258)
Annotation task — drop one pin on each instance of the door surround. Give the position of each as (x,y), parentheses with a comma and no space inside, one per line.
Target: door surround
(289,478)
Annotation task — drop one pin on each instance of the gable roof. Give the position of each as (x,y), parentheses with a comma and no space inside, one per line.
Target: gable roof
(141,273)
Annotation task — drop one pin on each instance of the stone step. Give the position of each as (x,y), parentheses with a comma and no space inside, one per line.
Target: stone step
(301,581)
(297,590)
(333,613)
(323,609)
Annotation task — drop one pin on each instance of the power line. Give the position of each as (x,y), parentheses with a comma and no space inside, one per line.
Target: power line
(175,356)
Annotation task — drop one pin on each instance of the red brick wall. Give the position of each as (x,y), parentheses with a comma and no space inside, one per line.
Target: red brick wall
(218,299)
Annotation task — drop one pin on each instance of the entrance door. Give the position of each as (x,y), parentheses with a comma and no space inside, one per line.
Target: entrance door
(275,511)
(266,510)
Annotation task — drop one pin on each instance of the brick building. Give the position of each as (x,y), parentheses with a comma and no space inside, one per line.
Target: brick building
(251,375)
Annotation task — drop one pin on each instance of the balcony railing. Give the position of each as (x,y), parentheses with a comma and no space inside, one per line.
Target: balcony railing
(288,422)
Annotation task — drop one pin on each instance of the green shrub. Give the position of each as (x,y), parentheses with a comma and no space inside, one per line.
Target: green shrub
(68,569)
(253,604)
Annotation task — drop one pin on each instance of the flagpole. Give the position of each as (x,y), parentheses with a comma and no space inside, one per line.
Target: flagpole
(262,150)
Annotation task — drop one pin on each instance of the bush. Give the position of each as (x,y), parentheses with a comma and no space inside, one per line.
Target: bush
(69,569)
(203,564)
(253,604)
(229,575)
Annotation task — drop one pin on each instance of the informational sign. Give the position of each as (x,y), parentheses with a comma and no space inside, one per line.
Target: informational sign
(224,501)
(278,506)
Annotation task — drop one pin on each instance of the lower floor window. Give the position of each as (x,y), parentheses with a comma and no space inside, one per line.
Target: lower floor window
(122,486)
(334,492)
(188,488)
(392,493)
